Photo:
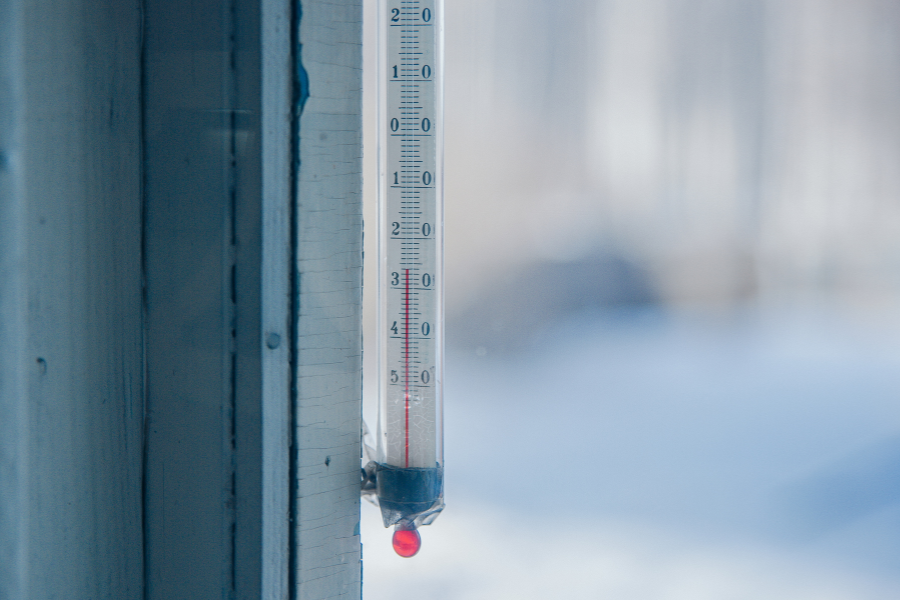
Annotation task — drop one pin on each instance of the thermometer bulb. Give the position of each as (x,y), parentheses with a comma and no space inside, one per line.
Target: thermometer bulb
(406,542)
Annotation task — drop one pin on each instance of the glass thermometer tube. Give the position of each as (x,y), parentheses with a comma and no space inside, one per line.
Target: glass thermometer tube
(409,460)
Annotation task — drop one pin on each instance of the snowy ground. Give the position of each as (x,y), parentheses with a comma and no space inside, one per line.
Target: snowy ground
(650,454)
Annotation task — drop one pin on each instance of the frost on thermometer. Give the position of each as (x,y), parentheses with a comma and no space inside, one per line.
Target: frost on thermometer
(408,470)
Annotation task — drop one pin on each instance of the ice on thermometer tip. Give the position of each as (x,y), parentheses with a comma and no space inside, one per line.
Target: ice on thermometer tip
(406,474)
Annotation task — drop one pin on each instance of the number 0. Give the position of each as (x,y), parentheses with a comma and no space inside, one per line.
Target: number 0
(426,14)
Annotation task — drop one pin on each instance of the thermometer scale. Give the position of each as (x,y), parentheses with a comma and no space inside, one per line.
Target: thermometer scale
(408,470)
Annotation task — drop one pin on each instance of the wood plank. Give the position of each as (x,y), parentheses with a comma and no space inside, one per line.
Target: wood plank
(329,271)
(218,229)
(190,148)
(277,112)
(72,400)
(14,513)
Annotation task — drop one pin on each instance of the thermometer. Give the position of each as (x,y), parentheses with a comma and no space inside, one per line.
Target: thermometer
(408,469)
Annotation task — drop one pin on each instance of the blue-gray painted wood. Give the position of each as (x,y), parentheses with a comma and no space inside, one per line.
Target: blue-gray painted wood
(219,86)
(329,271)
(277,196)
(14,513)
(204,336)
(188,385)
(247,297)
(70,300)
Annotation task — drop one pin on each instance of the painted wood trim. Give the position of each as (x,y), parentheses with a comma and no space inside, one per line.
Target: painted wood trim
(329,282)
(277,114)
(14,505)
(71,401)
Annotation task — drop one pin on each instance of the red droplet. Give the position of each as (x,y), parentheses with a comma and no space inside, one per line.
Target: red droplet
(407,542)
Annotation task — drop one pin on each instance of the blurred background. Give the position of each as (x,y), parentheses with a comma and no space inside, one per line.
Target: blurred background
(673,303)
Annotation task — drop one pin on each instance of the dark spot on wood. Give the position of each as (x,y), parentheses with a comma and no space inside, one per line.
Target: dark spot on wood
(327,460)
(273,340)
(42,365)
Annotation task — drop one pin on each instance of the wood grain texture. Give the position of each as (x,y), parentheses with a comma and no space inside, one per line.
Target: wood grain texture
(277,111)
(329,271)
(14,362)
(146,424)
(71,400)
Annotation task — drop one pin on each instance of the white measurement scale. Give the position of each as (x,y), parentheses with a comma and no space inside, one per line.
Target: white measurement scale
(409,464)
